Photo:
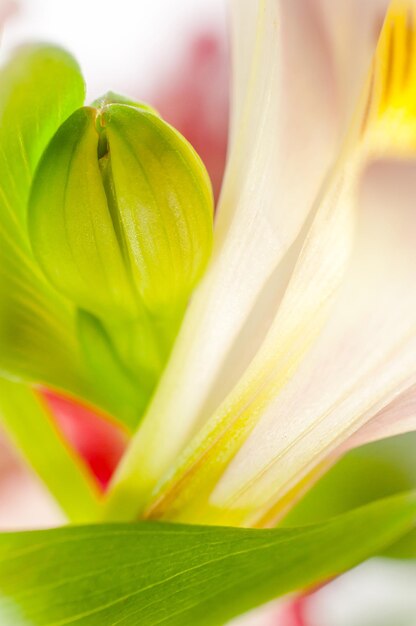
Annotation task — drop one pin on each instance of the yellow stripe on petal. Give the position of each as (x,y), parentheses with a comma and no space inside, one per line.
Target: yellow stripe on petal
(389,112)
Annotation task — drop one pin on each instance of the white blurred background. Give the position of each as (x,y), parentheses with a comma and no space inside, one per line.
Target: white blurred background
(118,43)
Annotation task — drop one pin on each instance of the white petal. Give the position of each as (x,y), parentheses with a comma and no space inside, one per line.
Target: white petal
(368,336)
(365,355)
(288,127)
(397,418)
(363,359)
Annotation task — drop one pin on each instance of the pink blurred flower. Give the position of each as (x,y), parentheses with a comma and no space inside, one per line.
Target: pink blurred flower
(194,99)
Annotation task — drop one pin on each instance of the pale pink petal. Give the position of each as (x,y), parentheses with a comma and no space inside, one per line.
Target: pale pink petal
(397,418)
(286,126)
(364,358)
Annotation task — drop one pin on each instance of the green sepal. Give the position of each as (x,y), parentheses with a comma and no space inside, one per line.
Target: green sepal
(123,394)
(70,224)
(164,201)
(120,207)
(115,98)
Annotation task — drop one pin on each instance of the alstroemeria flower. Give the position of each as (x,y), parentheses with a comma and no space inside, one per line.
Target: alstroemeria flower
(237,379)
(302,336)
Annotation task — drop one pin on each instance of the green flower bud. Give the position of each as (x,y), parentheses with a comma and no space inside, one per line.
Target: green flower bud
(120,214)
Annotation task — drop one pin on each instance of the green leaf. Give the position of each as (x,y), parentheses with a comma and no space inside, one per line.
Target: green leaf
(371,472)
(39,88)
(405,548)
(31,427)
(151,573)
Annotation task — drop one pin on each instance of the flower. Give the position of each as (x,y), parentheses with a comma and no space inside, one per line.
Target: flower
(301,337)
(300,340)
